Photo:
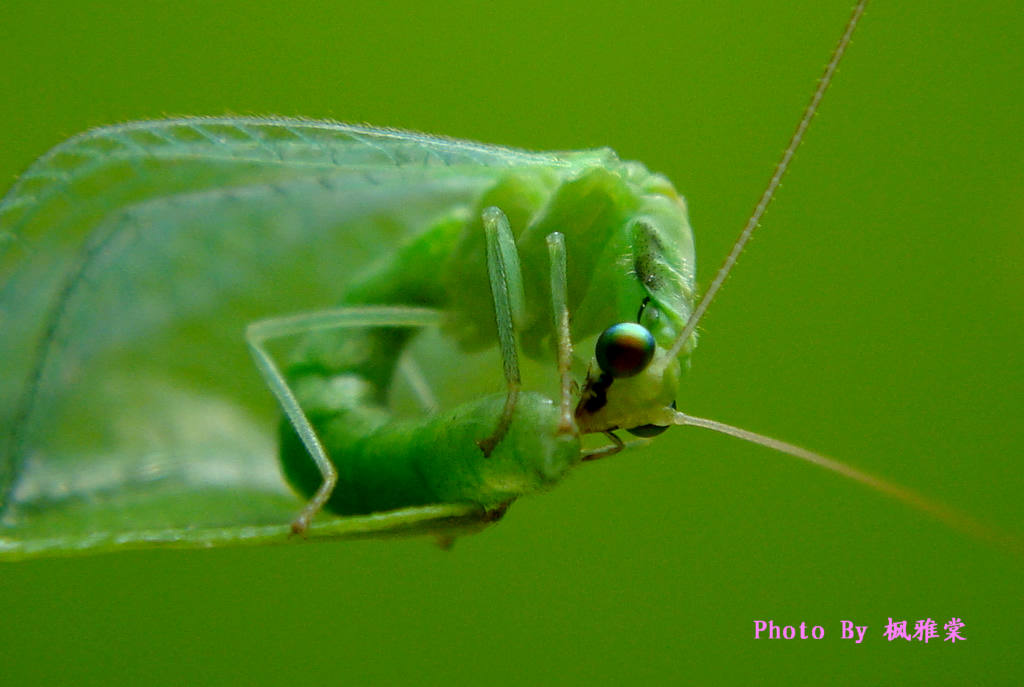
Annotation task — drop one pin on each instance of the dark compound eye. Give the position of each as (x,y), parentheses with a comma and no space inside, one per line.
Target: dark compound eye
(648,431)
(624,349)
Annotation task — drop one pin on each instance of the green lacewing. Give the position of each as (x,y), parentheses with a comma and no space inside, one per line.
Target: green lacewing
(132,415)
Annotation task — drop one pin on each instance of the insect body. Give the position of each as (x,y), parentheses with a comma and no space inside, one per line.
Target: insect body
(118,296)
(341,375)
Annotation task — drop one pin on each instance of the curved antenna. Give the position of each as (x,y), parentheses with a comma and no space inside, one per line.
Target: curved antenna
(773,183)
(949,516)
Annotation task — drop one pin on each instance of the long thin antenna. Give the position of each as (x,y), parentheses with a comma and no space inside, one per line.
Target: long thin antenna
(941,512)
(773,184)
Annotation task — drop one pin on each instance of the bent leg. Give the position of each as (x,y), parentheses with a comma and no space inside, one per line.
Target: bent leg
(257,334)
(507,291)
(563,338)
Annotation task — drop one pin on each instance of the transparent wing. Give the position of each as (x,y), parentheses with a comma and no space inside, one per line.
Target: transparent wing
(131,259)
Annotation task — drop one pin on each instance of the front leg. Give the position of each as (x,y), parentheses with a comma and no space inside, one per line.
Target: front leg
(563,337)
(506,282)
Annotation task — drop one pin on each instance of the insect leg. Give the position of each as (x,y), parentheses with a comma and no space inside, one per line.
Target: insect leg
(507,291)
(258,333)
(560,308)
(606,451)
(420,387)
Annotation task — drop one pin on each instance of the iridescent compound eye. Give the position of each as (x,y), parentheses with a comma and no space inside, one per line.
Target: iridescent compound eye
(624,349)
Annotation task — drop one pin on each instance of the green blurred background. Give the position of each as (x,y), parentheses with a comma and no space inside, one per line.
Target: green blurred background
(878,318)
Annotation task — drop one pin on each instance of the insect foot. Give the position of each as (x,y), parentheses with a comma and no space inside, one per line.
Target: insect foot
(487,445)
(300,525)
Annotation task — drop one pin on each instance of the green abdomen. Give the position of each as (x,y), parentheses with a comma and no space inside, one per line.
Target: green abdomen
(384,465)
